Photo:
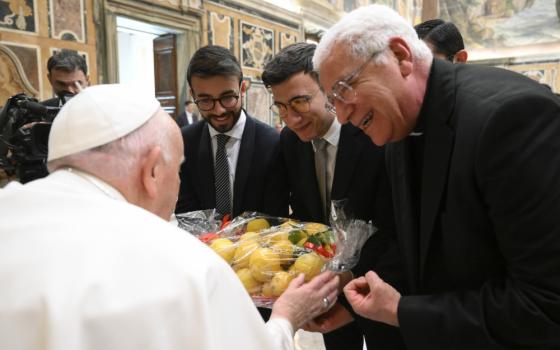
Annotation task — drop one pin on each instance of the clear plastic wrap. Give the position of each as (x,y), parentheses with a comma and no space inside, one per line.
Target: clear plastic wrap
(267,252)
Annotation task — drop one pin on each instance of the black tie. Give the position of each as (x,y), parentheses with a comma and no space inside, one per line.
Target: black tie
(221,177)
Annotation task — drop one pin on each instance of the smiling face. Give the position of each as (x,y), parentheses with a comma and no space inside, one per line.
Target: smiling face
(382,103)
(221,118)
(309,125)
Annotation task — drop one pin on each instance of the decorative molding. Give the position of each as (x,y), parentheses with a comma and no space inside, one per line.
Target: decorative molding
(14,15)
(12,75)
(256,45)
(61,15)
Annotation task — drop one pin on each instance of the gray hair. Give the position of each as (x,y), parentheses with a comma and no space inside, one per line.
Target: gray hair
(121,157)
(367,30)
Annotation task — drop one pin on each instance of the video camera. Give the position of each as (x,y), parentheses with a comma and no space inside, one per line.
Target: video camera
(24,133)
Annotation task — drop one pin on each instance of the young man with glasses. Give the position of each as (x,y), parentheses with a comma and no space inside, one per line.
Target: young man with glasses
(231,159)
(473,156)
(326,161)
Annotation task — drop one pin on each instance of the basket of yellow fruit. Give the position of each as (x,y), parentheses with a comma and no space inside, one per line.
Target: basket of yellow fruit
(267,252)
(266,258)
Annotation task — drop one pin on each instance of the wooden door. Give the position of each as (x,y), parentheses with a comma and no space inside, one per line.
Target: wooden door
(165,70)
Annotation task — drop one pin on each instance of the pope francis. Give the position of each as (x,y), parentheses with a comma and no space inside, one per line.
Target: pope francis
(88,259)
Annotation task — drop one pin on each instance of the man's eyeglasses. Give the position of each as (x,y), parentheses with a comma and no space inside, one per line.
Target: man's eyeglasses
(300,104)
(342,90)
(208,103)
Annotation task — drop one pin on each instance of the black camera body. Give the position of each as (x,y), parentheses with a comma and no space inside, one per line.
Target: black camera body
(24,132)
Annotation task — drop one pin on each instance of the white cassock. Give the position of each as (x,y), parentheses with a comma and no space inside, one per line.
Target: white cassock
(80,268)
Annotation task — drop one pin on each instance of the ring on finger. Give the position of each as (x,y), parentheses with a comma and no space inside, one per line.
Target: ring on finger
(326,302)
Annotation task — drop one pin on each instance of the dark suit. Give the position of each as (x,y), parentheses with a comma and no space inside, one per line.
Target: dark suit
(259,181)
(481,243)
(359,177)
(183,121)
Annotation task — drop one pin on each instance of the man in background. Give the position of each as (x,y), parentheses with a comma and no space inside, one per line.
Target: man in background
(234,159)
(444,39)
(188,116)
(68,74)
(327,161)
(92,262)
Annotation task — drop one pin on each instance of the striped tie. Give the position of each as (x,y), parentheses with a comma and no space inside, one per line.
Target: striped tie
(221,176)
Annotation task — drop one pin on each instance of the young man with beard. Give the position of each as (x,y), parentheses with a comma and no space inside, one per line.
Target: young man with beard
(233,159)
(355,171)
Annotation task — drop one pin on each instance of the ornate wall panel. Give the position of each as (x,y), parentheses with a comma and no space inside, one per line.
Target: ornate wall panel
(257,45)
(220,30)
(12,76)
(19,15)
(547,72)
(28,56)
(287,39)
(254,32)
(258,102)
(67,20)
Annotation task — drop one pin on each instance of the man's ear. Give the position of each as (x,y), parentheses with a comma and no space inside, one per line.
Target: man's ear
(191,92)
(402,52)
(461,56)
(88,82)
(243,87)
(150,171)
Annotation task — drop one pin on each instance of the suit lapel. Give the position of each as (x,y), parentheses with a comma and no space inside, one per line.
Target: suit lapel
(244,163)
(349,149)
(406,220)
(439,138)
(308,178)
(206,169)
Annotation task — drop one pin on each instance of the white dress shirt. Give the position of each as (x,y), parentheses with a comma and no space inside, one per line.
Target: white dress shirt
(232,147)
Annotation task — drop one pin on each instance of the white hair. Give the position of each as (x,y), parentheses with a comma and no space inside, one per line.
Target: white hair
(367,30)
(121,157)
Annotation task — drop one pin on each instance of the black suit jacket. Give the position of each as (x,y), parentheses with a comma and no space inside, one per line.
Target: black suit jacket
(483,254)
(361,178)
(183,121)
(259,180)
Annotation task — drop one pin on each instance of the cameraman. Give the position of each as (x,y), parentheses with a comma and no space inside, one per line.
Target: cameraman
(67,73)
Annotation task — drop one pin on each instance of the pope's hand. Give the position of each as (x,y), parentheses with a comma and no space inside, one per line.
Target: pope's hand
(372,298)
(301,302)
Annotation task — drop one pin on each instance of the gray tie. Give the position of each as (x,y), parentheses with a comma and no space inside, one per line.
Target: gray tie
(221,176)
(321,161)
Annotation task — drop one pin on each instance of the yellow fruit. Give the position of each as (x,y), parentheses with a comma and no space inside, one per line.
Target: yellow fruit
(257,225)
(251,285)
(224,247)
(248,235)
(310,264)
(278,236)
(313,228)
(285,249)
(267,290)
(280,282)
(289,224)
(264,263)
(243,253)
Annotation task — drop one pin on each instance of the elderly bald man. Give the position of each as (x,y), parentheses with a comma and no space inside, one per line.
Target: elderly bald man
(88,259)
